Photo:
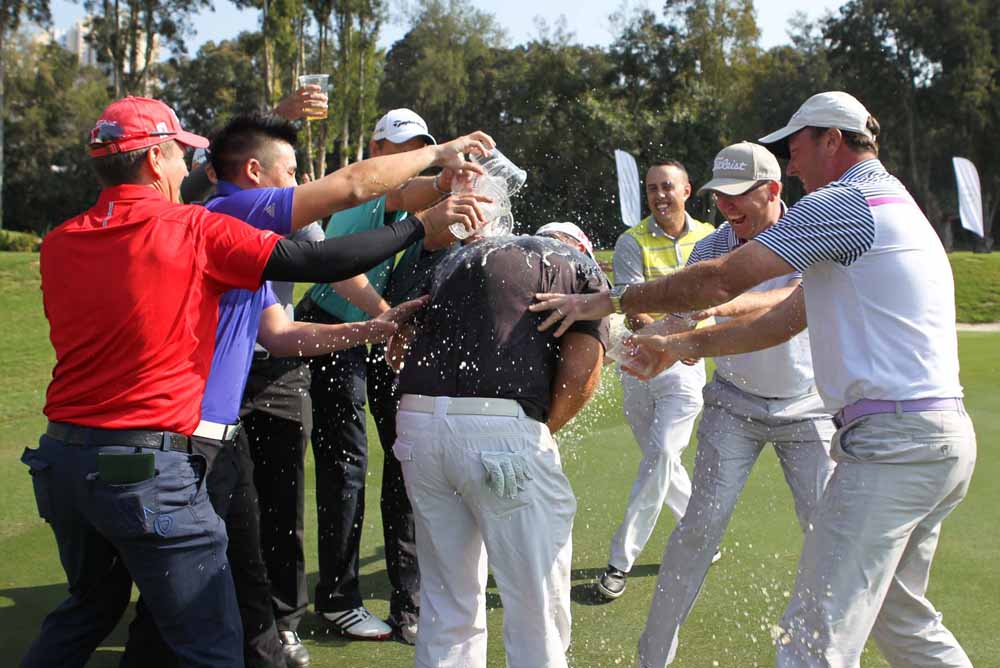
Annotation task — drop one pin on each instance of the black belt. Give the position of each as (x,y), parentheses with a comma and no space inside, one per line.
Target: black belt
(72,434)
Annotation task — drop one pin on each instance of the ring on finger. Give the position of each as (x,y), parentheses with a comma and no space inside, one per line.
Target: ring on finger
(559,311)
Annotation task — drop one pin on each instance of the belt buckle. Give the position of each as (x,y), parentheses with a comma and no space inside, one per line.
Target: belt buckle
(177,442)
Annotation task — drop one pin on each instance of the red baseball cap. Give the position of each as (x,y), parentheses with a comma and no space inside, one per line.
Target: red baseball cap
(132,123)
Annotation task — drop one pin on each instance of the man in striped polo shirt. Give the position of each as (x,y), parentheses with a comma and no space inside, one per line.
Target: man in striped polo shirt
(662,410)
(886,361)
(757,398)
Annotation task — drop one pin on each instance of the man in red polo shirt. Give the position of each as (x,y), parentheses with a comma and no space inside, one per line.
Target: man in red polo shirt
(131,290)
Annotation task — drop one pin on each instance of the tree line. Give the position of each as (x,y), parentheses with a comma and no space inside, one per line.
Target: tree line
(679,82)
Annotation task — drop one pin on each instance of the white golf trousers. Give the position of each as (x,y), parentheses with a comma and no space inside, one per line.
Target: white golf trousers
(734,429)
(662,413)
(865,565)
(460,524)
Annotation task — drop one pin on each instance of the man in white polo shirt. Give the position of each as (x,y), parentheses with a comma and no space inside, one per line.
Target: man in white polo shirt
(885,354)
(757,398)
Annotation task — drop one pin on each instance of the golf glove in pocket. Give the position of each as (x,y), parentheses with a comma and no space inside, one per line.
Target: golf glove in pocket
(506,473)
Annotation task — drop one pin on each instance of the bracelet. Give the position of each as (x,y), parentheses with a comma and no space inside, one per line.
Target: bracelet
(437,185)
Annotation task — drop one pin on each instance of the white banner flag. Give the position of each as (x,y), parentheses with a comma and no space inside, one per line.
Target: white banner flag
(628,188)
(970,197)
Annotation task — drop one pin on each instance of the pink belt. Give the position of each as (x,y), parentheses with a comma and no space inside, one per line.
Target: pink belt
(863,407)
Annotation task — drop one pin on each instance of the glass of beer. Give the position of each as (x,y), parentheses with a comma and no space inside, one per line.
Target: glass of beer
(316,111)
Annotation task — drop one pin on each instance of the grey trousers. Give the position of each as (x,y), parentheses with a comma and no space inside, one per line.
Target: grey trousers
(735,427)
(865,565)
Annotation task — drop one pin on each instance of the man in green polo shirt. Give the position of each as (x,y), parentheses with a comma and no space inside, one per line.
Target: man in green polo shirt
(340,445)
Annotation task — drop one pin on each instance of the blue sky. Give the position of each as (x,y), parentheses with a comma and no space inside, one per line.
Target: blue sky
(588,20)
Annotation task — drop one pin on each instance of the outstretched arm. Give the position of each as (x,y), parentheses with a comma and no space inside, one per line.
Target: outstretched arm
(285,338)
(748,302)
(359,291)
(349,186)
(420,193)
(700,286)
(755,331)
(340,258)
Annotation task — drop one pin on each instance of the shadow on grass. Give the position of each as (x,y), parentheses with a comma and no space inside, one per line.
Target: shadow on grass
(22,618)
(585,593)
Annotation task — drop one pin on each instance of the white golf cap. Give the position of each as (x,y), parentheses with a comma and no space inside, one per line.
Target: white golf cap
(570,230)
(740,167)
(833,109)
(400,125)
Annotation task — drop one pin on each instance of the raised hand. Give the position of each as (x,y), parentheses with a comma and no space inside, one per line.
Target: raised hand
(452,154)
(306,101)
(461,209)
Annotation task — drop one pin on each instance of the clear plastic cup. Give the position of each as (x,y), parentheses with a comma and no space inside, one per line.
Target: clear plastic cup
(497,212)
(323,81)
(499,165)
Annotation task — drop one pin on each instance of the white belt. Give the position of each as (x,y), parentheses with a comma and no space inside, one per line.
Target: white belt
(419,403)
(217,431)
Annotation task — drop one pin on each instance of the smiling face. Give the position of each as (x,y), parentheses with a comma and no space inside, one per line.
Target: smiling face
(667,189)
(807,158)
(752,212)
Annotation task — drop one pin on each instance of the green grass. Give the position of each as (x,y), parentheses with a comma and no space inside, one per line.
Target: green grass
(745,593)
(977,284)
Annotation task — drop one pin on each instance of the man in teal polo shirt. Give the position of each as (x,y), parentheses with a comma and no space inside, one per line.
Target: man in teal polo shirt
(340,445)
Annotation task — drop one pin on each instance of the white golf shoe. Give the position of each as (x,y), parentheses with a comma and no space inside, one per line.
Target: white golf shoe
(358,623)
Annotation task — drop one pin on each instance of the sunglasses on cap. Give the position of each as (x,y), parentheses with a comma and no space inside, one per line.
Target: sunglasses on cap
(108,133)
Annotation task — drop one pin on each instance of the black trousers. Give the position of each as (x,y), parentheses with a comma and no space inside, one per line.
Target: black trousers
(278,447)
(234,498)
(277,416)
(340,450)
(398,529)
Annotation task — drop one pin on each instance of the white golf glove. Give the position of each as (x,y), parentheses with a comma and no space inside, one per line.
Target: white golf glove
(506,473)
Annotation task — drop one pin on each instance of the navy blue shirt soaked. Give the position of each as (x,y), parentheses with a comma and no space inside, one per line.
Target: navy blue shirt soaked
(477,338)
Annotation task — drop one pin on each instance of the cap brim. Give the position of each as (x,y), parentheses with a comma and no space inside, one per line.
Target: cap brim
(136,143)
(401,137)
(732,187)
(190,139)
(777,141)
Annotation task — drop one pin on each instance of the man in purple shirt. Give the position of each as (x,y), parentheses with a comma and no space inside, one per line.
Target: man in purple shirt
(268,200)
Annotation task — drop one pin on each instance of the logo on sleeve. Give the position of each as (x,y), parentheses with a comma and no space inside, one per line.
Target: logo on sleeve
(269,209)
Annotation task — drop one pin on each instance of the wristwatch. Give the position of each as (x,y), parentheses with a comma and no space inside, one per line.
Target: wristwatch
(617,293)
(437,185)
